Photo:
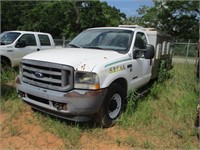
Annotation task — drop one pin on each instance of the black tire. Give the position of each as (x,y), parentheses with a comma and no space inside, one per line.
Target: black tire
(33,109)
(5,63)
(197,74)
(197,123)
(112,106)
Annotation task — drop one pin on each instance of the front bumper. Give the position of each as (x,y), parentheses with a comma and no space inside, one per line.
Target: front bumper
(76,105)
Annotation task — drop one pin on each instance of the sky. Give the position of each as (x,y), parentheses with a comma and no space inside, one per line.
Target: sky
(128,7)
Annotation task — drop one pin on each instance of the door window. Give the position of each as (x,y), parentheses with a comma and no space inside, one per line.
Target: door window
(140,41)
(44,40)
(28,39)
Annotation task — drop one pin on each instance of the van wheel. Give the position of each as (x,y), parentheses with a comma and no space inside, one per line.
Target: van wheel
(112,106)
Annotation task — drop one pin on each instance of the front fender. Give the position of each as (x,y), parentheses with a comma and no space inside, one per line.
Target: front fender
(113,76)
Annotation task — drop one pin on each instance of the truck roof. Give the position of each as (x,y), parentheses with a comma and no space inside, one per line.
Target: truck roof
(27,32)
(132,29)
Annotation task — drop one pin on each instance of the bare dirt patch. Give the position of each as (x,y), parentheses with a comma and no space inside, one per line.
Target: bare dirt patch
(106,140)
(24,133)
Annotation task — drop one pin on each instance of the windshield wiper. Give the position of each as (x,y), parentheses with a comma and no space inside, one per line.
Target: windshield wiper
(73,45)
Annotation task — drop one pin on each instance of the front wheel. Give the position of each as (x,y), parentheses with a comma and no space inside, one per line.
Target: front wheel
(5,64)
(112,106)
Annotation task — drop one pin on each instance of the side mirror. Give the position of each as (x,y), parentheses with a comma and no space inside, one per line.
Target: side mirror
(20,44)
(149,53)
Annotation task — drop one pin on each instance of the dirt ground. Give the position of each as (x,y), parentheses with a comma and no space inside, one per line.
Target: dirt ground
(25,133)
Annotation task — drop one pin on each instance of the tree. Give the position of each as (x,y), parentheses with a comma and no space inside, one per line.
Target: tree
(112,15)
(60,18)
(180,19)
(13,12)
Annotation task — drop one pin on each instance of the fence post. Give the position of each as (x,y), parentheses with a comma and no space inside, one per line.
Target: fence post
(188,45)
(63,41)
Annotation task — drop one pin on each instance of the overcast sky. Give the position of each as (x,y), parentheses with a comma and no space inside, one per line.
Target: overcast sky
(129,7)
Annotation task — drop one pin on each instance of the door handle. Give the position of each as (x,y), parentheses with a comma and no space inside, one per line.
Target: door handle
(38,49)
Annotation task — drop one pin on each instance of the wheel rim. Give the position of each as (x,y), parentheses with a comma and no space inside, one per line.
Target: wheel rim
(115,106)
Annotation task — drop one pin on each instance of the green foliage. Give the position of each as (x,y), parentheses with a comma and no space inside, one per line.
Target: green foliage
(70,133)
(163,72)
(60,18)
(131,102)
(7,81)
(181,50)
(133,20)
(14,130)
(179,19)
(129,140)
(148,145)
(169,110)
(9,99)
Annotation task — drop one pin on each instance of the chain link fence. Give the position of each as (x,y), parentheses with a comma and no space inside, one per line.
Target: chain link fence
(185,52)
(61,42)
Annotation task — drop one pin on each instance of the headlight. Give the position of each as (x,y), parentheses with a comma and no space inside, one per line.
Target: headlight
(86,80)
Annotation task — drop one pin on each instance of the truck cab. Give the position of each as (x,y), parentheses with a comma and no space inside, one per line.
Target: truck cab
(16,44)
(93,75)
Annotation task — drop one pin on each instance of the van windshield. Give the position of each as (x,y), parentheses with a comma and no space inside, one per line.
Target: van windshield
(8,37)
(106,39)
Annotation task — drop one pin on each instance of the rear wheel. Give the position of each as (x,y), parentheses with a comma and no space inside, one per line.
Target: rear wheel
(112,106)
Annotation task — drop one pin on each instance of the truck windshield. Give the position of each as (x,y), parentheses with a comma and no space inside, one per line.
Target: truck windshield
(8,37)
(107,39)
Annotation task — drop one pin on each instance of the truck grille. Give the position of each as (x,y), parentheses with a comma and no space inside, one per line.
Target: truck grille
(47,75)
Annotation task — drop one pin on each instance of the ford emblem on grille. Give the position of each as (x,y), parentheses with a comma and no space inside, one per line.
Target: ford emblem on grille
(38,75)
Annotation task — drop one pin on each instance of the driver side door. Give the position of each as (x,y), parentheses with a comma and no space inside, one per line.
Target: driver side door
(26,44)
(143,66)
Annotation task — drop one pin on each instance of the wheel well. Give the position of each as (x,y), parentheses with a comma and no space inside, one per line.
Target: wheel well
(6,60)
(123,83)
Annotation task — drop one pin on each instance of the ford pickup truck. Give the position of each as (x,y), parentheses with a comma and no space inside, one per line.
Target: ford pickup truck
(16,44)
(91,78)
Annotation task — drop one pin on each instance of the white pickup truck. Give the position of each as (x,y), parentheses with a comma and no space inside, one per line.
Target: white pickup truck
(16,44)
(93,75)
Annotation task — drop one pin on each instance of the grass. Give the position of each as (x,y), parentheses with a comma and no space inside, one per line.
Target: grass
(69,132)
(9,100)
(163,119)
(129,140)
(169,109)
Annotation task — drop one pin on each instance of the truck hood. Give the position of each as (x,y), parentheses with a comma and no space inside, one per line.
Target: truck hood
(81,59)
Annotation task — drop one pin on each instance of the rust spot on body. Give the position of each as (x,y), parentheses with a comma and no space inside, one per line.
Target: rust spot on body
(83,66)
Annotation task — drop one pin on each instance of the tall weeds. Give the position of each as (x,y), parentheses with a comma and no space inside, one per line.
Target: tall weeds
(170,107)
